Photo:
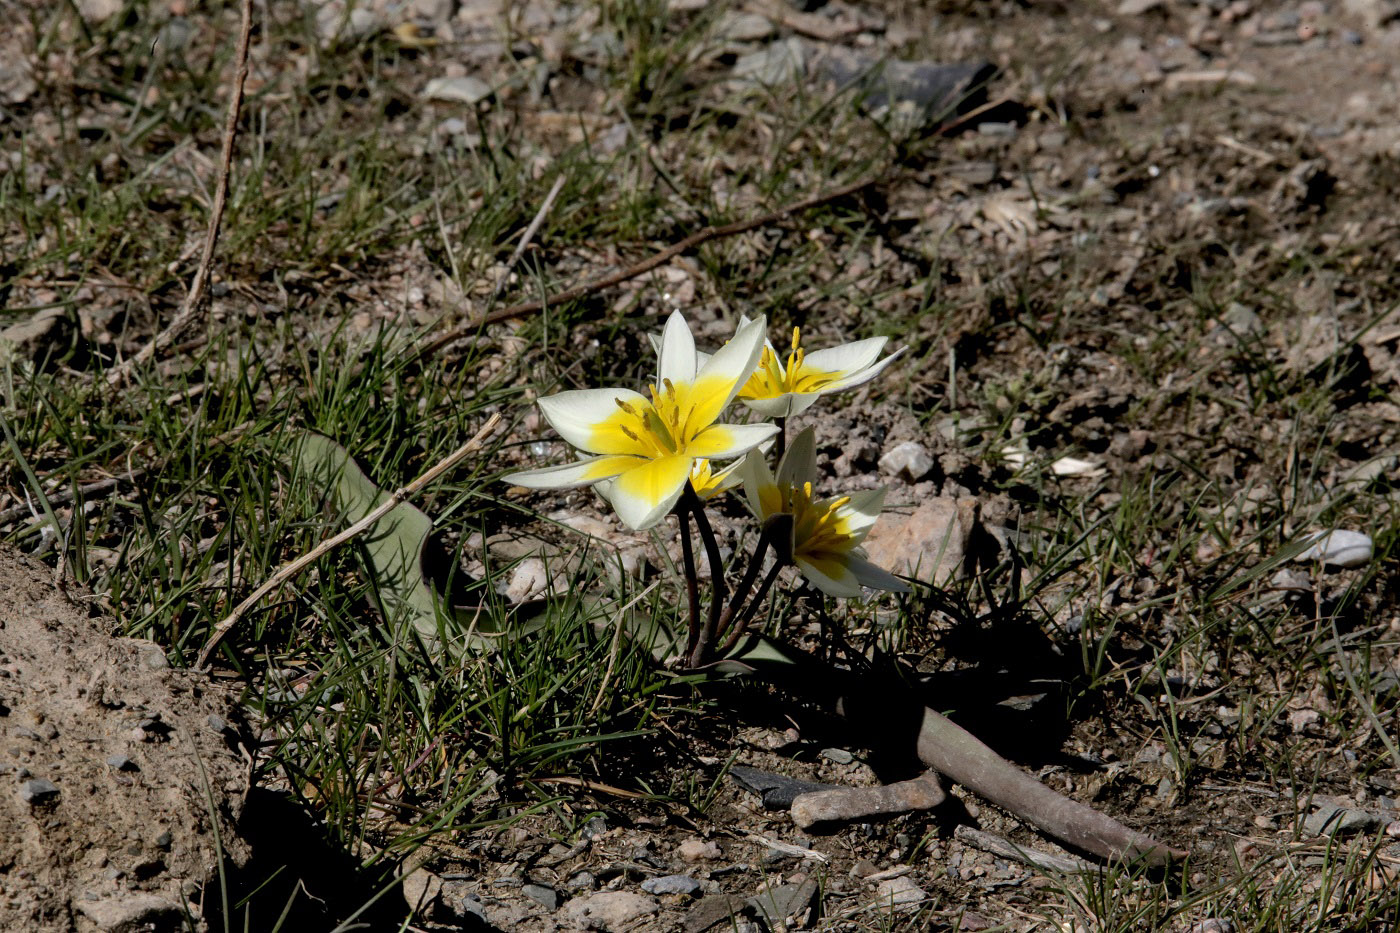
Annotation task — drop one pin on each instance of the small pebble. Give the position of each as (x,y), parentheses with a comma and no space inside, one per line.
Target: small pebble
(37,790)
(910,460)
(121,763)
(541,894)
(695,850)
(671,884)
(838,755)
(901,890)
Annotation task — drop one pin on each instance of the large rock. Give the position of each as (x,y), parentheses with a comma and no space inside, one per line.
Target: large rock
(87,844)
(932,543)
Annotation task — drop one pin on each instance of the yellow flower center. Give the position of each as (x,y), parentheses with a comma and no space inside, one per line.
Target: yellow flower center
(818,527)
(665,426)
(772,379)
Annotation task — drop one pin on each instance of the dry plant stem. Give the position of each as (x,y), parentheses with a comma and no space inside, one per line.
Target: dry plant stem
(1008,849)
(195,297)
(301,563)
(529,235)
(653,261)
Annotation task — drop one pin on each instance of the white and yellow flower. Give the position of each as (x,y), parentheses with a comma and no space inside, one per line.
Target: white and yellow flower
(645,448)
(780,388)
(826,533)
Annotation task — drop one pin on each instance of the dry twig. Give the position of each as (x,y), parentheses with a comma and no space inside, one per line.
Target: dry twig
(194,299)
(301,563)
(653,261)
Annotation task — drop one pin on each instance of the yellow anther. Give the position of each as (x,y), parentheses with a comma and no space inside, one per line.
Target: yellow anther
(628,431)
(670,388)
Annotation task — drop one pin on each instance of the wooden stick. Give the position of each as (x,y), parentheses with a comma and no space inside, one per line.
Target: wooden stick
(851,804)
(641,268)
(1008,849)
(301,563)
(193,299)
(530,232)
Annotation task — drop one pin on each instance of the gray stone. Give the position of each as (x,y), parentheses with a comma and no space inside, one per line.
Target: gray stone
(38,790)
(541,894)
(838,755)
(465,90)
(778,903)
(671,884)
(782,62)
(1137,7)
(910,460)
(1331,820)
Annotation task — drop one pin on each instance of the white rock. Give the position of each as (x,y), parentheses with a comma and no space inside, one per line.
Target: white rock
(530,579)
(611,911)
(466,90)
(1339,549)
(744,27)
(1137,7)
(901,890)
(909,459)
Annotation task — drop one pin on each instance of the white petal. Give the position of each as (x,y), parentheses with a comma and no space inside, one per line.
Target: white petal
(799,464)
(677,356)
(645,494)
(577,413)
(734,362)
(862,511)
(877,578)
(847,358)
(1073,466)
(779,407)
(758,479)
(836,579)
(655,341)
(722,441)
(571,475)
(861,377)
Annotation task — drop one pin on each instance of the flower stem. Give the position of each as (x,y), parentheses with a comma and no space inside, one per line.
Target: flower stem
(691,503)
(692,582)
(780,442)
(743,621)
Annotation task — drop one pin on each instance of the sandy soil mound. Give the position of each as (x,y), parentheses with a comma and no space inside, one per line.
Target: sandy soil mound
(115,771)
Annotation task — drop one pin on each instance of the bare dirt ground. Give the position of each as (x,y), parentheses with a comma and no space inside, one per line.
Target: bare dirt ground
(1172,223)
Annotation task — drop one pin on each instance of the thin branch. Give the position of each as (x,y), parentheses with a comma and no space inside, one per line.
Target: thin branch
(646,265)
(194,299)
(301,563)
(530,232)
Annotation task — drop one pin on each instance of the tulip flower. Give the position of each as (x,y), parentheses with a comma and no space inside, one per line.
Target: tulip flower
(644,448)
(779,389)
(826,533)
